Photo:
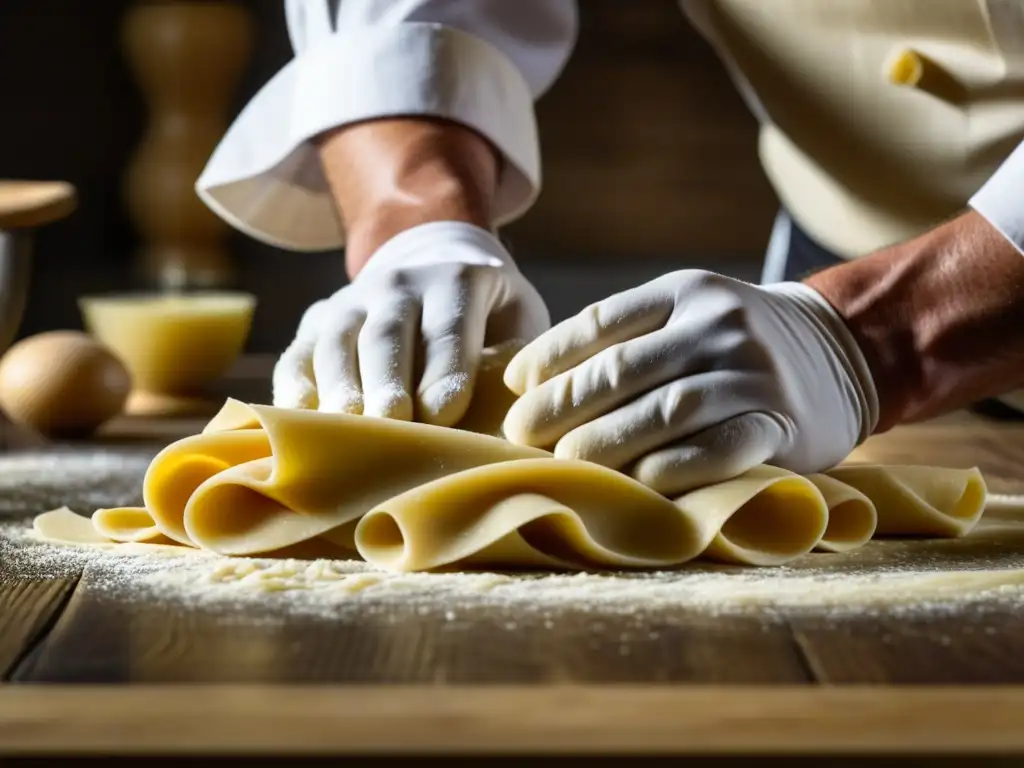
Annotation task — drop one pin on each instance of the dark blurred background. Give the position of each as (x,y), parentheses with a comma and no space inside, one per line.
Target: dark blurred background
(650,161)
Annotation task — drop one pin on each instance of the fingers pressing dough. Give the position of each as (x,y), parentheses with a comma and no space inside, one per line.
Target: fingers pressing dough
(415,497)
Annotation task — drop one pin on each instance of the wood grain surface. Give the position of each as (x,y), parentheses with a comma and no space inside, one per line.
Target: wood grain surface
(405,680)
(30,204)
(98,640)
(975,646)
(513,719)
(26,609)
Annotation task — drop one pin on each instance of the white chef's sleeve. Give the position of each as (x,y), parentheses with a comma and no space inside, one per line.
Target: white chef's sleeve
(1001,199)
(481,63)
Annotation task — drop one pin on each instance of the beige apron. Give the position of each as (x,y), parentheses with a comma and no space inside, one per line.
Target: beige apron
(859,160)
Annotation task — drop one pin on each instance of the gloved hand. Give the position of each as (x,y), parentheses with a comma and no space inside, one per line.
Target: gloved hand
(431,297)
(694,378)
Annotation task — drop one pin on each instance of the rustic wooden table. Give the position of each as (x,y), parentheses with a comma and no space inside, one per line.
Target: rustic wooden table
(155,677)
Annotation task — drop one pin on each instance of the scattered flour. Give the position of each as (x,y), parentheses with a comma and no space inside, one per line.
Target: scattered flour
(202,580)
(886,576)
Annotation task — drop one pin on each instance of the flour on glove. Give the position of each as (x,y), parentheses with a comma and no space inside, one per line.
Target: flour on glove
(403,340)
(694,378)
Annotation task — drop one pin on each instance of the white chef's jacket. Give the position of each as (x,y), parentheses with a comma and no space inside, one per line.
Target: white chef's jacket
(857,160)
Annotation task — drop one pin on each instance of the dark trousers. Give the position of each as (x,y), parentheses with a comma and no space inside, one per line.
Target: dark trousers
(793,254)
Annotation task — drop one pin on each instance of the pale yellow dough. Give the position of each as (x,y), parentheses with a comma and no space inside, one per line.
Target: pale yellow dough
(413,497)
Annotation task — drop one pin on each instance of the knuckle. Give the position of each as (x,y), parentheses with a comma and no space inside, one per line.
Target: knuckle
(395,280)
(605,315)
(608,368)
(292,357)
(330,352)
(678,400)
(288,386)
(283,372)
(286,383)
(691,279)
(592,318)
(341,313)
(443,329)
(595,320)
(658,468)
(402,304)
(343,328)
(460,272)
(381,328)
(312,317)
(451,320)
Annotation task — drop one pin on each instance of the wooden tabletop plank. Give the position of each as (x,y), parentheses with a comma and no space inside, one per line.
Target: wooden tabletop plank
(103,640)
(576,647)
(701,720)
(100,639)
(26,610)
(970,647)
(956,640)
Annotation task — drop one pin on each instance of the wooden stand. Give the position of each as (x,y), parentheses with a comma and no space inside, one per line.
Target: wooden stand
(24,207)
(187,57)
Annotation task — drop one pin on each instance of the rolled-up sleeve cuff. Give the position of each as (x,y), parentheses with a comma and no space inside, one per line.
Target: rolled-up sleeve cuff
(1001,199)
(265,178)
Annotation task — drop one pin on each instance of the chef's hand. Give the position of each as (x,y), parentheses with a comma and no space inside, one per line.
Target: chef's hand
(437,293)
(694,378)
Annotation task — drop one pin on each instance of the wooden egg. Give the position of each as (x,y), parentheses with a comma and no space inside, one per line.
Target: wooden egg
(62,383)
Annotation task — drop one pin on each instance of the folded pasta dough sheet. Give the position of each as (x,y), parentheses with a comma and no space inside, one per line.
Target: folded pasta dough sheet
(407,496)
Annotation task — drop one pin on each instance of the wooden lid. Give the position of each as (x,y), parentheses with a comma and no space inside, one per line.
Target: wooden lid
(25,204)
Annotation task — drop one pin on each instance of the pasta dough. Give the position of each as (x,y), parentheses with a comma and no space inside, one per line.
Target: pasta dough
(414,497)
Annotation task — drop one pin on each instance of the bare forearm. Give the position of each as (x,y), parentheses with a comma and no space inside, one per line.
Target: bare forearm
(390,175)
(940,318)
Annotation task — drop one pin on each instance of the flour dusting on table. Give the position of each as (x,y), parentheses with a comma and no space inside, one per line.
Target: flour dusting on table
(886,576)
(199,579)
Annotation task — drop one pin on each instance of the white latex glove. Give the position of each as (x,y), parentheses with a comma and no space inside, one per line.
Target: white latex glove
(430,298)
(694,378)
